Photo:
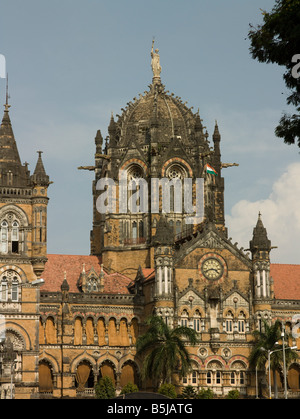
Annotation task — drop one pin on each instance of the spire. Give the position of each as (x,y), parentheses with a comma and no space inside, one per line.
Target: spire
(65,286)
(6,124)
(260,241)
(98,142)
(112,132)
(39,176)
(11,170)
(216,134)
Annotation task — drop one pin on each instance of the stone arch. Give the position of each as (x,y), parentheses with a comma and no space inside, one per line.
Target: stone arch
(50,330)
(46,376)
(243,362)
(20,337)
(84,356)
(101,328)
(89,330)
(129,373)
(78,330)
(178,162)
(135,162)
(52,361)
(134,329)
(17,269)
(208,363)
(85,374)
(17,211)
(293,377)
(123,332)
(112,332)
(107,368)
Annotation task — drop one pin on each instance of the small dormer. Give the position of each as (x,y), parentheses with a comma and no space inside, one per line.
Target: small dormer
(90,282)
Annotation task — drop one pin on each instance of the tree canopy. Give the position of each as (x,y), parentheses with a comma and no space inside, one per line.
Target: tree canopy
(164,349)
(277,40)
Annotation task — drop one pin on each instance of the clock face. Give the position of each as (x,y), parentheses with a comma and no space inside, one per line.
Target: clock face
(212,269)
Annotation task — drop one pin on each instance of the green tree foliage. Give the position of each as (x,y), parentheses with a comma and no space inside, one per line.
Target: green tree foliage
(105,389)
(168,390)
(205,393)
(233,394)
(129,388)
(188,392)
(164,350)
(266,340)
(277,40)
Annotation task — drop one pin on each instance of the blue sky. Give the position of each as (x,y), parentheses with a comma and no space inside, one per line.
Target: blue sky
(72,62)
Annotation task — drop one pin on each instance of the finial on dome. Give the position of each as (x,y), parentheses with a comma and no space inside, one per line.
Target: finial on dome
(155,64)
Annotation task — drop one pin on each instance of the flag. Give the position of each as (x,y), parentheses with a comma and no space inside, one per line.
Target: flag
(211,170)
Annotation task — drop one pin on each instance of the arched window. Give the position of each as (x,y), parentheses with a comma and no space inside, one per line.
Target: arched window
(4,237)
(238,376)
(232,378)
(208,377)
(184,318)
(12,235)
(141,229)
(134,230)
(92,285)
(15,237)
(15,289)
(84,376)
(4,289)
(241,322)
(229,322)
(214,374)
(197,321)
(176,172)
(9,286)
(45,378)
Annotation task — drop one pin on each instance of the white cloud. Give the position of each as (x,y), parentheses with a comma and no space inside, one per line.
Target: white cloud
(280,215)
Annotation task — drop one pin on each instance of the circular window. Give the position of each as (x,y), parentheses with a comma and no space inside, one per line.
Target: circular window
(175,171)
(135,172)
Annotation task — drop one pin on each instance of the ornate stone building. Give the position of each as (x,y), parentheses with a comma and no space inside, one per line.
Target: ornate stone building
(145,259)
(23,228)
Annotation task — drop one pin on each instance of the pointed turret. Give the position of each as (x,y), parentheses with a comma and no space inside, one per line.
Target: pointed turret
(217,153)
(164,235)
(39,176)
(112,132)
(260,247)
(12,172)
(98,142)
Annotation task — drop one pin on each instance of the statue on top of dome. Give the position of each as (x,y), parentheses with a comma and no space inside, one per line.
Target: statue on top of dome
(155,62)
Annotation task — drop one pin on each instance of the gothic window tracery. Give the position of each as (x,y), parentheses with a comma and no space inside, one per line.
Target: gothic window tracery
(184,318)
(92,285)
(11,234)
(10,286)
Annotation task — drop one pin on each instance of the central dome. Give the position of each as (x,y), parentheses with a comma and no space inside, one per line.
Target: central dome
(156,109)
(156,117)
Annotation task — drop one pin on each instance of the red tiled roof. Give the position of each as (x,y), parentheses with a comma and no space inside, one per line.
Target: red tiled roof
(57,265)
(286,277)
(286,281)
(149,273)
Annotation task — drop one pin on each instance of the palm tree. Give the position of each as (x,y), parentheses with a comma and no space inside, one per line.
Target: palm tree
(264,341)
(164,350)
